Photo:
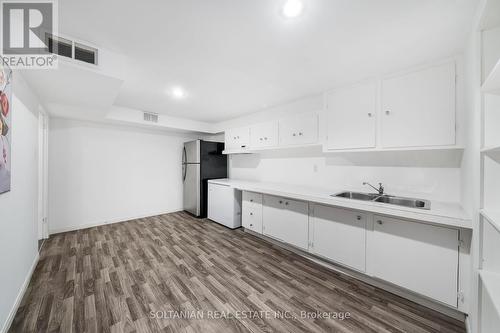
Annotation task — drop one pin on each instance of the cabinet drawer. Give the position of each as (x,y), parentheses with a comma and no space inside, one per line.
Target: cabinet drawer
(252,211)
(252,197)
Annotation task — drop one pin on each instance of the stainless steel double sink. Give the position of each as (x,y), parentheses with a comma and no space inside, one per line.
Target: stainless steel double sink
(384,198)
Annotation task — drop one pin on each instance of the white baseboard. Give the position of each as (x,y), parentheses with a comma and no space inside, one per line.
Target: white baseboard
(20,295)
(468,327)
(111,221)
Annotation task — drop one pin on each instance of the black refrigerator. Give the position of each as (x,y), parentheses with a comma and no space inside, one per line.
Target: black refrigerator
(201,161)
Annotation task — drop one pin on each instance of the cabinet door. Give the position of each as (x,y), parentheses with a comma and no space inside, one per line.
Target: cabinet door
(351,117)
(286,220)
(419,108)
(299,130)
(252,211)
(339,235)
(237,138)
(420,257)
(264,135)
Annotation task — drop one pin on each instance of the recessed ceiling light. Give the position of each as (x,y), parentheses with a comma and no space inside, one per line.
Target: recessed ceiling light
(178,93)
(293,8)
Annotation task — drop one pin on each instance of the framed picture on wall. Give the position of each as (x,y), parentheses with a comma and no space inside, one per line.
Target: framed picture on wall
(5,128)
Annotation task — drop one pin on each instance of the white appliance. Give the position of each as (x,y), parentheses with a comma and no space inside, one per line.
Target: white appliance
(224,205)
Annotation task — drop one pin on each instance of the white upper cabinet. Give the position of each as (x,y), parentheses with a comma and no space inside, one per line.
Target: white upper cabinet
(237,138)
(264,135)
(418,109)
(351,117)
(298,130)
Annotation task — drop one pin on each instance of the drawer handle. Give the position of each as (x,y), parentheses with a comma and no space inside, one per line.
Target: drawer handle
(387,112)
(251,225)
(300,133)
(359,217)
(251,213)
(286,203)
(251,200)
(294,134)
(380,222)
(281,201)
(260,139)
(265,138)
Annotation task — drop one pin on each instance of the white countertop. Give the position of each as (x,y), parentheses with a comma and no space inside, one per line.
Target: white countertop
(441,213)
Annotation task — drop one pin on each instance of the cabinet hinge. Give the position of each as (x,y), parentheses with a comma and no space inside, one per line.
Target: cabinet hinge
(460,243)
(460,296)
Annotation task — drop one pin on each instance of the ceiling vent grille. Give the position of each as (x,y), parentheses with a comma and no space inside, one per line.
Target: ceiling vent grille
(150,117)
(71,49)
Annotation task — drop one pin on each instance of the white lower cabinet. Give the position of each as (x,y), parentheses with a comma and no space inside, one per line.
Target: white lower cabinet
(252,211)
(416,256)
(339,235)
(286,220)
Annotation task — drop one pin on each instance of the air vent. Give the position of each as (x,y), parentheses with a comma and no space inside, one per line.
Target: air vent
(60,46)
(70,49)
(150,117)
(85,53)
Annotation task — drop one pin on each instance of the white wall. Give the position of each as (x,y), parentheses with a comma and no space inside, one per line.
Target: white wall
(428,175)
(18,208)
(105,173)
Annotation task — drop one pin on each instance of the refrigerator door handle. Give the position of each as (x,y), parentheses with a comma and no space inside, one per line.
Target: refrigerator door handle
(184,155)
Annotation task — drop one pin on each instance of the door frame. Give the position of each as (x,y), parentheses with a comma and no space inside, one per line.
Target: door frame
(43,145)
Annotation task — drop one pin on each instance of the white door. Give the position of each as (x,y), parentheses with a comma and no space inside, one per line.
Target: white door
(299,130)
(286,220)
(252,211)
(351,114)
(418,109)
(264,135)
(420,257)
(339,235)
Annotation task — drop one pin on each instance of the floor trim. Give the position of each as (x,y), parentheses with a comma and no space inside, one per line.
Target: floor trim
(111,221)
(20,295)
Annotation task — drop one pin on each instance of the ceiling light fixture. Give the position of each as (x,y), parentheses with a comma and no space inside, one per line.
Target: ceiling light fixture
(178,93)
(293,8)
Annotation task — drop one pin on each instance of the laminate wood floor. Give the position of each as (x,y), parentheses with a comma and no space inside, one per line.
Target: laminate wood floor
(174,273)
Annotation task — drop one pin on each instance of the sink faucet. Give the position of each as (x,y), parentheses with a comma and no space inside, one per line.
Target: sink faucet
(380,188)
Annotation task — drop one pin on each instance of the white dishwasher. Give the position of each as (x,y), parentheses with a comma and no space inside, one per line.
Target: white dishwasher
(224,205)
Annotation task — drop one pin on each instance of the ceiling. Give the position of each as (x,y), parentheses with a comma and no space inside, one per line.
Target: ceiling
(235,57)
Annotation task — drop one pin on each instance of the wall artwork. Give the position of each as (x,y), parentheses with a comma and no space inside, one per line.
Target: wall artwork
(5,127)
